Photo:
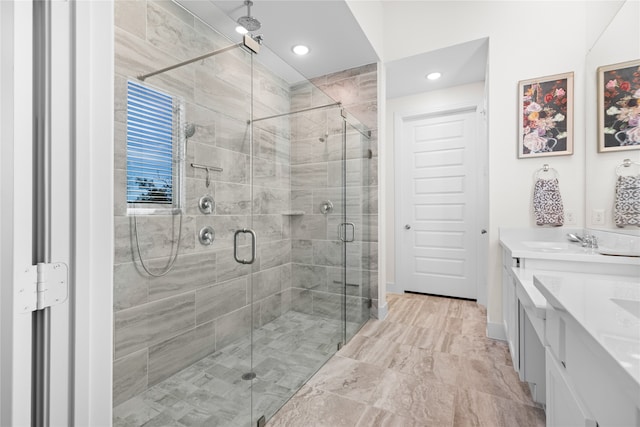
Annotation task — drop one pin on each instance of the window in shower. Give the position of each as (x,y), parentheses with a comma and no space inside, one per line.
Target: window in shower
(155,141)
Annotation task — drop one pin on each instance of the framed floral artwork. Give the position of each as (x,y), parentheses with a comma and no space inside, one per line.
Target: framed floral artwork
(546,116)
(619,106)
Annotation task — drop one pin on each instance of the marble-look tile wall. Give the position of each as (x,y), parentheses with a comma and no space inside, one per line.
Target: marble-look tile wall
(166,323)
(317,176)
(163,324)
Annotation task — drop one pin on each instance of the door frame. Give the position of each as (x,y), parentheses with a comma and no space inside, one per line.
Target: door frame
(481,187)
(82,202)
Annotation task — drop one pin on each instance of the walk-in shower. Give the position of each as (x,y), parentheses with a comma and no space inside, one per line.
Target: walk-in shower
(276,284)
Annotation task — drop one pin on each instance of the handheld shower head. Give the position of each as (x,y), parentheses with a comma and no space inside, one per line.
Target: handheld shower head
(189,130)
(249,22)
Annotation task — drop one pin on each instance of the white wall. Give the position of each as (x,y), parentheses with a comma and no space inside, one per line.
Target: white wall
(526,40)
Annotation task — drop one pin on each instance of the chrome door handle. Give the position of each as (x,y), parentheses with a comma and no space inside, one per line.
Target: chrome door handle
(343,236)
(253,246)
(407,227)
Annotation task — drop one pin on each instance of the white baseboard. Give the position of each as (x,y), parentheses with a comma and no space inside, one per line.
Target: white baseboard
(383,310)
(496,331)
(393,289)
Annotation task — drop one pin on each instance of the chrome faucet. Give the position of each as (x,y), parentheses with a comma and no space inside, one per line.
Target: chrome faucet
(588,241)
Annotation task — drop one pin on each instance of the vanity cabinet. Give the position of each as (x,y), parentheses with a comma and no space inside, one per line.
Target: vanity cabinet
(532,355)
(510,307)
(592,371)
(525,341)
(564,407)
(561,370)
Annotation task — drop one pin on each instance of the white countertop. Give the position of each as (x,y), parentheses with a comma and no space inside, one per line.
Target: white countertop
(606,307)
(552,244)
(531,296)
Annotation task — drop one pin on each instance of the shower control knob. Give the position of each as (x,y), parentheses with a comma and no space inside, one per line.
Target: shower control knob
(206,204)
(407,227)
(326,207)
(207,235)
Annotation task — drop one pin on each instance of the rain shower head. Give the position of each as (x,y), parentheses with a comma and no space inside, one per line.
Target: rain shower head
(249,22)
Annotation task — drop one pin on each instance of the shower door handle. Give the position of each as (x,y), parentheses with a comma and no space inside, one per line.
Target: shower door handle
(342,232)
(253,245)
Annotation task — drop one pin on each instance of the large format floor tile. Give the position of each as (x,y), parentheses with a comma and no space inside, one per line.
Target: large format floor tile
(428,364)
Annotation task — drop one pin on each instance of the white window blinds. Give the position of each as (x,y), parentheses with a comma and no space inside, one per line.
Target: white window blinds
(151,131)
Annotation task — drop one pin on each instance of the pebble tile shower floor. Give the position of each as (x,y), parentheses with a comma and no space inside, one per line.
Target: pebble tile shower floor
(428,364)
(211,392)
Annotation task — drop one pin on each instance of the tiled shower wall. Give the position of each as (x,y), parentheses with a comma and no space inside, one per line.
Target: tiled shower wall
(357,90)
(165,324)
(316,176)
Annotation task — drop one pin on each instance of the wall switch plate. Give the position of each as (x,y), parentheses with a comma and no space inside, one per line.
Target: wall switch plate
(570,218)
(597,217)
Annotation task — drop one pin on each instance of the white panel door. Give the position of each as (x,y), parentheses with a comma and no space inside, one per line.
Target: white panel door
(436,196)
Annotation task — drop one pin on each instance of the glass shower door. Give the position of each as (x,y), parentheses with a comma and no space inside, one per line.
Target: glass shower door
(183,339)
(297,189)
(359,232)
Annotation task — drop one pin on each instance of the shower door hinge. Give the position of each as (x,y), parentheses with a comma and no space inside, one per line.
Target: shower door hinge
(370,303)
(42,285)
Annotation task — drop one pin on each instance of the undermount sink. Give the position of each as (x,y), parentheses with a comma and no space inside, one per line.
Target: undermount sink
(630,305)
(618,252)
(549,246)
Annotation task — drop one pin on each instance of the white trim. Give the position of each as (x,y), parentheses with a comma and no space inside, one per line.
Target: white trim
(60,392)
(383,311)
(482,201)
(496,331)
(16,64)
(482,248)
(94,213)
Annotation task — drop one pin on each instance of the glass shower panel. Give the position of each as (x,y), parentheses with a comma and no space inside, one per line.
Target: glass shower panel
(297,309)
(360,245)
(183,340)
(223,379)
(280,185)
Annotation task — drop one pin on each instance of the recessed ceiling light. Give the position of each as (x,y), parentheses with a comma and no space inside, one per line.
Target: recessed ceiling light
(242,30)
(434,76)
(300,49)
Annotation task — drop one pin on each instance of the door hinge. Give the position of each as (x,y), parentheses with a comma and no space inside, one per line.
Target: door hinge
(42,285)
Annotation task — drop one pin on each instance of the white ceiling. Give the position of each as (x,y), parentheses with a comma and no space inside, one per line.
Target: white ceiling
(337,43)
(460,64)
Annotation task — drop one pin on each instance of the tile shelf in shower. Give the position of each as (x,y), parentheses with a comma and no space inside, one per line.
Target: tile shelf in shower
(293,213)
